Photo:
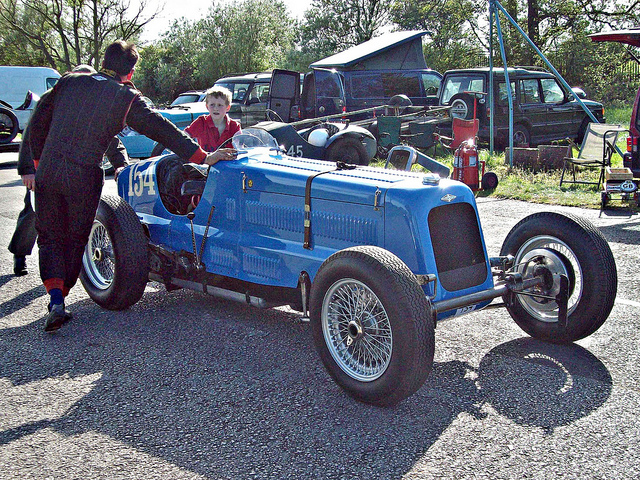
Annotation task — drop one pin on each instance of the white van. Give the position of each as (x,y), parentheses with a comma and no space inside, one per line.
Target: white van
(16,82)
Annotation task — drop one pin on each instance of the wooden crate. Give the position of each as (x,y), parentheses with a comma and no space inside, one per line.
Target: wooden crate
(617,174)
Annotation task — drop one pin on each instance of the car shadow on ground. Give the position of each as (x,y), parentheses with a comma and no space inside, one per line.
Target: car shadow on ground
(221,397)
(627,233)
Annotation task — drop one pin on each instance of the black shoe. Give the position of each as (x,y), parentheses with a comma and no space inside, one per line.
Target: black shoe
(19,265)
(56,317)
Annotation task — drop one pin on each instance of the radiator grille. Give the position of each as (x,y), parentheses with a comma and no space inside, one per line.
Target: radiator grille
(457,246)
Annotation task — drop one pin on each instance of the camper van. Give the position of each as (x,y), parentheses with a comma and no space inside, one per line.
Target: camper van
(15,82)
(20,87)
(362,77)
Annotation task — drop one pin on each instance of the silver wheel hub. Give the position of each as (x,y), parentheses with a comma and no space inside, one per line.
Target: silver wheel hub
(356,330)
(550,257)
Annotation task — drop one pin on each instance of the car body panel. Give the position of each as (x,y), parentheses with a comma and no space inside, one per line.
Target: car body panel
(257,229)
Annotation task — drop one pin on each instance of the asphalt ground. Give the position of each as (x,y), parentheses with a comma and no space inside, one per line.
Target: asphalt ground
(185,386)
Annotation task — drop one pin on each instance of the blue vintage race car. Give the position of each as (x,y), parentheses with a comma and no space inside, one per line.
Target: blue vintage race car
(373,257)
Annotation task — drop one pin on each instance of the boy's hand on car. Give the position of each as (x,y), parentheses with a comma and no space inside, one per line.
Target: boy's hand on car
(220,154)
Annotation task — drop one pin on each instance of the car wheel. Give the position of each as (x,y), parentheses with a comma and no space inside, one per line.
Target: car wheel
(489,181)
(583,129)
(372,325)
(115,264)
(9,126)
(557,244)
(521,136)
(348,150)
(462,106)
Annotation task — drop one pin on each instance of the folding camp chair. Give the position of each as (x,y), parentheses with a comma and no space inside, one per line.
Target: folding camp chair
(388,133)
(463,130)
(596,150)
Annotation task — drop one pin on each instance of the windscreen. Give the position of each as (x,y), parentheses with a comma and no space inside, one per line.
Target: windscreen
(461,83)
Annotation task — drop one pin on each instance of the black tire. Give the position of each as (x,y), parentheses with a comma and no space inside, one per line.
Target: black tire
(9,126)
(115,265)
(462,106)
(364,293)
(604,199)
(582,130)
(521,136)
(571,245)
(489,181)
(348,150)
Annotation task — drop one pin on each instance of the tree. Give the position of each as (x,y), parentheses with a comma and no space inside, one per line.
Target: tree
(67,33)
(330,26)
(232,38)
(455,35)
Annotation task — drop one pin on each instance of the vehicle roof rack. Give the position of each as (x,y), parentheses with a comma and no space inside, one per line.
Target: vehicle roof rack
(532,67)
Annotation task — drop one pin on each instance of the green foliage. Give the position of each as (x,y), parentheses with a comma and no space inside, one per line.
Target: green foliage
(64,34)
(330,26)
(232,38)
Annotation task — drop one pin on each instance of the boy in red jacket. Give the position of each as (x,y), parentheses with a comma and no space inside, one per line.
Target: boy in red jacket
(213,130)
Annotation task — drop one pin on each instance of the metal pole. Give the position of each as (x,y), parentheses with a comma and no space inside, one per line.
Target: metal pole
(547,63)
(491,99)
(507,81)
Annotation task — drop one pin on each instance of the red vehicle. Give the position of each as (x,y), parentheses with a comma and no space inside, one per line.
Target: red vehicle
(631,158)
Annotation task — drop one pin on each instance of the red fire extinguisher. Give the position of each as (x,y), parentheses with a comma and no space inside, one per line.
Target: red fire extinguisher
(466,166)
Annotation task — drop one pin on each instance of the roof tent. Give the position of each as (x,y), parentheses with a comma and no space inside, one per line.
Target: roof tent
(392,51)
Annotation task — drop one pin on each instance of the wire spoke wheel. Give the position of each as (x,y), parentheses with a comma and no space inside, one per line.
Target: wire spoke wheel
(99,258)
(357,330)
(372,325)
(115,263)
(551,245)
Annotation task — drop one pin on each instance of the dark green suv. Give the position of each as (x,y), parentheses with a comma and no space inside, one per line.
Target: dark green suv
(543,110)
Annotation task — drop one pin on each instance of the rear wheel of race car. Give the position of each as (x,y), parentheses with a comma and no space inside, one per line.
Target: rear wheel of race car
(555,244)
(348,150)
(372,325)
(116,259)
(9,126)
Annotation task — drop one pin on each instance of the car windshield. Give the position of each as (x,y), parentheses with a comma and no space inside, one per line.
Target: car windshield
(238,90)
(461,83)
(252,138)
(186,98)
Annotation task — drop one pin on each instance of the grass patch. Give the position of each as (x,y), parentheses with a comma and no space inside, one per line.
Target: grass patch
(537,187)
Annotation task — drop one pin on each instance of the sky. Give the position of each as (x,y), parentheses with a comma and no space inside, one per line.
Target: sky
(194,9)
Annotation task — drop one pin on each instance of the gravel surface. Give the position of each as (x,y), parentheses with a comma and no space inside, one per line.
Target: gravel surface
(185,386)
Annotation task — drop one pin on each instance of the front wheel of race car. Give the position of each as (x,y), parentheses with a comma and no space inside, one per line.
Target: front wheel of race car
(115,264)
(553,245)
(372,325)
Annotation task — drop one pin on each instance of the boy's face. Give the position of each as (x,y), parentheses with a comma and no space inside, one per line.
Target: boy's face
(217,108)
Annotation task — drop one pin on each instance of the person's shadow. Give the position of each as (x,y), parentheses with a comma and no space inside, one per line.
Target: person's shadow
(222,397)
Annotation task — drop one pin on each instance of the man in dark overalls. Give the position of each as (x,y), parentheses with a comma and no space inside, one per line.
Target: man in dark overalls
(70,131)
(24,237)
